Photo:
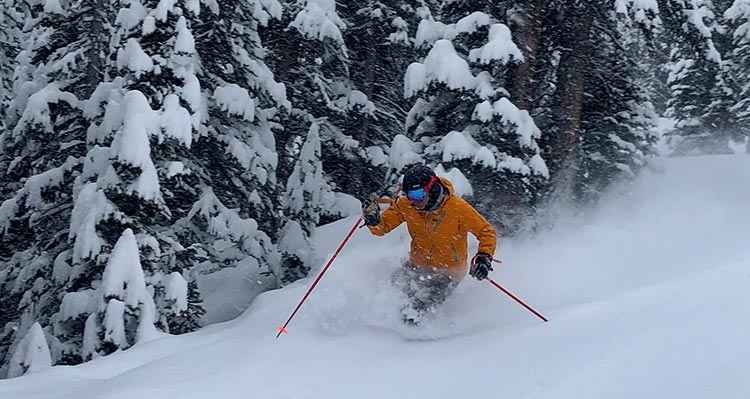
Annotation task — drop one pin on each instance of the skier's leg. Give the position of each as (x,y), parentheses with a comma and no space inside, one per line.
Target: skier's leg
(407,280)
(435,289)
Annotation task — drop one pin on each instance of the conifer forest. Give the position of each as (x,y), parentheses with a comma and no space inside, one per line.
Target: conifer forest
(162,162)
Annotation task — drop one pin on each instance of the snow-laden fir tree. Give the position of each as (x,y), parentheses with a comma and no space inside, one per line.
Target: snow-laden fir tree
(309,53)
(189,157)
(32,353)
(379,38)
(305,195)
(738,20)
(567,48)
(10,36)
(231,175)
(41,153)
(142,149)
(702,93)
(125,311)
(616,112)
(464,117)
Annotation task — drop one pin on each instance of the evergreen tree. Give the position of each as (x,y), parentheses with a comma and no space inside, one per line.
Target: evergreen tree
(379,39)
(183,127)
(616,113)
(10,36)
(701,90)
(310,55)
(142,128)
(306,191)
(582,85)
(32,353)
(41,153)
(125,307)
(231,176)
(463,115)
(738,18)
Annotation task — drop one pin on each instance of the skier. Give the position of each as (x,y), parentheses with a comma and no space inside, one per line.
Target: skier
(438,223)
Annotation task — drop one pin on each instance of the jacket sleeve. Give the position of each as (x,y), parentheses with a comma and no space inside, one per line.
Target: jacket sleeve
(480,228)
(391,218)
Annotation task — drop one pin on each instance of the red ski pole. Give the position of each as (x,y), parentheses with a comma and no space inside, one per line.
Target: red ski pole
(282,329)
(513,296)
(517,300)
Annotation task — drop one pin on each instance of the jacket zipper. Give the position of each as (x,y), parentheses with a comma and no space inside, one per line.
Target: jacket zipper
(427,228)
(455,253)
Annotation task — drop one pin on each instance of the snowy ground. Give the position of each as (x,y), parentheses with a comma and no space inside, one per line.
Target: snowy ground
(648,298)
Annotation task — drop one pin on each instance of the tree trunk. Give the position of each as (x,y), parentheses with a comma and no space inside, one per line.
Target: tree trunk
(527,36)
(568,103)
(361,133)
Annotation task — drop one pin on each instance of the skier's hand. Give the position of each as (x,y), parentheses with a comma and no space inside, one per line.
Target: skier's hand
(371,210)
(481,266)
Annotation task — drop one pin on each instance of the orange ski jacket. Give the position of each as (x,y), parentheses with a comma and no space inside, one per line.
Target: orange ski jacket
(439,238)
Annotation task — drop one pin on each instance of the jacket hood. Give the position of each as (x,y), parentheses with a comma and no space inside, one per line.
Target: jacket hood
(448,185)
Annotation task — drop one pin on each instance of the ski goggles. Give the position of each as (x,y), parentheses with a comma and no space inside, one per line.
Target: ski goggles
(420,193)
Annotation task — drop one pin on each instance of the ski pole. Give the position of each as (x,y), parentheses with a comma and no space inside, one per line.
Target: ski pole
(513,296)
(282,329)
(517,300)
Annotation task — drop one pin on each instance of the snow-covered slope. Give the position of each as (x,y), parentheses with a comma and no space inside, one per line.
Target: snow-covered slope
(647,295)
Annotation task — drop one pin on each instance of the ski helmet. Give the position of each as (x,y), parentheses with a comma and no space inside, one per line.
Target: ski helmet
(416,177)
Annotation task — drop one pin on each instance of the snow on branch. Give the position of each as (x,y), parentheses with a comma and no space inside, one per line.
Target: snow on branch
(270,9)
(31,193)
(235,100)
(176,290)
(461,185)
(254,156)
(430,31)
(185,42)
(131,143)
(224,222)
(89,208)
(643,11)
(443,65)
(739,12)
(37,110)
(499,47)
(123,276)
(318,20)
(526,129)
(306,183)
(403,152)
(134,58)
(175,121)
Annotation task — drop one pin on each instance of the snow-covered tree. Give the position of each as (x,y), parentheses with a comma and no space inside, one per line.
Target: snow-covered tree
(41,153)
(10,36)
(306,192)
(702,93)
(137,140)
(310,55)
(32,353)
(125,307)
(465,118)
(379,40)
(738,20)
(616,112)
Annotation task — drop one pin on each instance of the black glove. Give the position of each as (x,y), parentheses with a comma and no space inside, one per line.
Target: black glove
(371,211)
(481,266)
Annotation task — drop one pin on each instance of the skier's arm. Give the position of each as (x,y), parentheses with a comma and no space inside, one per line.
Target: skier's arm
(481,228)
(389,220)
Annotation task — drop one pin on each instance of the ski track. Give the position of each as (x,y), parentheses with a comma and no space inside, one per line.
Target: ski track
(646,295)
